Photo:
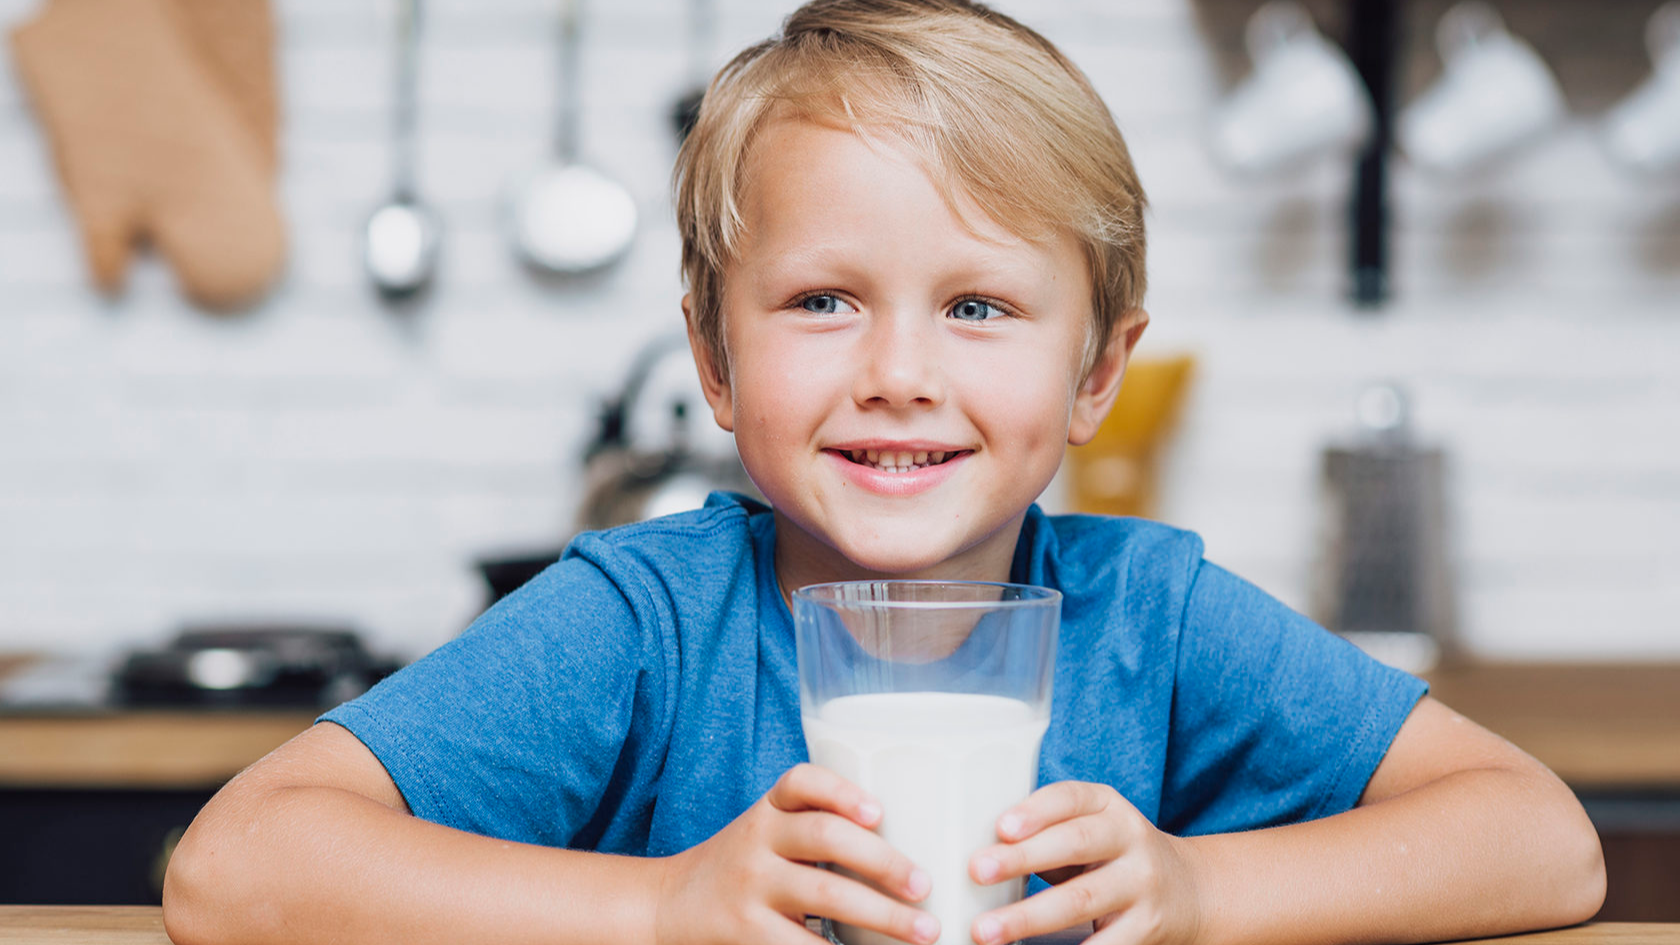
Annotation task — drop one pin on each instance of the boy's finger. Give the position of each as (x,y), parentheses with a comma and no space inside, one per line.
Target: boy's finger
(1076,842)
(1054,803)
(1076,901)
(820,892)
(821,837)
(811,787)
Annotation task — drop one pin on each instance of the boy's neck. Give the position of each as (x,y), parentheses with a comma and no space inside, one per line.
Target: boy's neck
(801,560)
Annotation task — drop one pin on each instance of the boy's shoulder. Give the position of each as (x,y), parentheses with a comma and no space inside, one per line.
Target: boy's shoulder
(1134,571)
(714,540)
(1106,542)
(723,512)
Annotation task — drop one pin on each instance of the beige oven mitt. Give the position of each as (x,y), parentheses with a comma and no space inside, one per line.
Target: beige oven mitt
(161,115)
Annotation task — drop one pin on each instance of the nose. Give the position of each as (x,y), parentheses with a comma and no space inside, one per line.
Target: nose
(900,366)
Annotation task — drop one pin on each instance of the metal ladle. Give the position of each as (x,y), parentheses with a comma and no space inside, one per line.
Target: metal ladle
(566,217)
(400,240)
(686,110)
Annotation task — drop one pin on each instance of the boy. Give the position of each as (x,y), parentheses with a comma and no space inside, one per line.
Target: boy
(914,247)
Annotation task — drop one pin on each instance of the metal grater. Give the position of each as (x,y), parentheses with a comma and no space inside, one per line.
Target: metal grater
(1383,578)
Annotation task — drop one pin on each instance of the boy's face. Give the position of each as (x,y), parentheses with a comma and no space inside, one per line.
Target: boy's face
(868,332)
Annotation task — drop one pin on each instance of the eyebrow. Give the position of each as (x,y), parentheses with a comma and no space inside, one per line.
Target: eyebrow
(974,266)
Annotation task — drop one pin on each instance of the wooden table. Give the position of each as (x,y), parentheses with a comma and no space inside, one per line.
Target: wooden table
(143,925)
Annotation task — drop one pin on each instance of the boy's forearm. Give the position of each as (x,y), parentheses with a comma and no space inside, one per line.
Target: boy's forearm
(322,864)
(1477,852)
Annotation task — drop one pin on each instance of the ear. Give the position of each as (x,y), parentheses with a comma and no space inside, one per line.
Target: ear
(712,381)
(1096,393)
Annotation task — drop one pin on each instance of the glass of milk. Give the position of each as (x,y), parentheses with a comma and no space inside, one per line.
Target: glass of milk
(933,696)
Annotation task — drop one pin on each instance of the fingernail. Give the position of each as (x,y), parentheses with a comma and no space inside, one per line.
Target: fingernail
(919,884)
(987,929)
(1009,825)
(985,869)
(869,811)
(927,927)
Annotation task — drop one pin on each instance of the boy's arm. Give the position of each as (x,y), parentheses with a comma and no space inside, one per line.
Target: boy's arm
(1458,834)
(315,843)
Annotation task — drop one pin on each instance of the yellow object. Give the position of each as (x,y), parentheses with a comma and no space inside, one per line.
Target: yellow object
(1116,473)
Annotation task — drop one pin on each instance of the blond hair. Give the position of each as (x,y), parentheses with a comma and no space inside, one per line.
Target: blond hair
(988,106)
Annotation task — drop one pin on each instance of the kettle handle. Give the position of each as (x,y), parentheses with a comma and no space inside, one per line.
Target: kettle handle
(613,431)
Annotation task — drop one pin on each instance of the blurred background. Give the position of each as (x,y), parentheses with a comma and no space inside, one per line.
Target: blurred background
(1411,365)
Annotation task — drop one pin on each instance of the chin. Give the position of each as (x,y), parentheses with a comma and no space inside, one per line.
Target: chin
(888,556)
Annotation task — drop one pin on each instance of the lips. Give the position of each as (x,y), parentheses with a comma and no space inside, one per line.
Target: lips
(899,469)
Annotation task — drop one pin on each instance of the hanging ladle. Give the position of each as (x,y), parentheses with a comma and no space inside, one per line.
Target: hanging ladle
(400,241)
(568,218)
(686,110)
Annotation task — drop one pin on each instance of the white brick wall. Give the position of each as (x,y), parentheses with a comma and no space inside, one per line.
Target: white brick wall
(323,456)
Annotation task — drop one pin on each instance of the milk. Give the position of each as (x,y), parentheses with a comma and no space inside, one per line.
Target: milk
(944,767)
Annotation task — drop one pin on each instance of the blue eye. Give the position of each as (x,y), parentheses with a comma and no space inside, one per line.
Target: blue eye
(822,304)
(976,310)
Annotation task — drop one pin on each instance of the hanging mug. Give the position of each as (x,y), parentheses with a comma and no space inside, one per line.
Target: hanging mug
(1303,100)
(1642,133)
(1495,95)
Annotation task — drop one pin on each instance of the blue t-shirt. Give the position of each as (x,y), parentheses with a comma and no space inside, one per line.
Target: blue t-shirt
(641,693)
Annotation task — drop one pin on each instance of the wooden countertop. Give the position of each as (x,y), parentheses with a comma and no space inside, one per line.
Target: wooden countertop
(153,749)
(1600,727)
(183,749)
(143,925)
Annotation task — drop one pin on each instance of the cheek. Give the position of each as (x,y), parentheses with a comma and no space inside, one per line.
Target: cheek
(776,399)
(1032,408)
(783,368)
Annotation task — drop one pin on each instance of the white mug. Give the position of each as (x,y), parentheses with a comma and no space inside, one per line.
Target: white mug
(1303,100)
(1642,133)
(1495,95)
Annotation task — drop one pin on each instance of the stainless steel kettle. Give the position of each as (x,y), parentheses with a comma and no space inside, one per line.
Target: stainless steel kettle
(625,482)
(628,482)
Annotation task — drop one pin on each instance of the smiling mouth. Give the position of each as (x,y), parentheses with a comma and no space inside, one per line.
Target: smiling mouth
(893,462)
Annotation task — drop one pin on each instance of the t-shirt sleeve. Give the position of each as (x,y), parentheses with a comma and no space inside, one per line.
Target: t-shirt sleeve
(515,729)
(1274,719)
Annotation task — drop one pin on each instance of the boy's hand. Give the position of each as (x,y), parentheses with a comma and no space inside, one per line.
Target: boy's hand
(1109,865)
(755,880)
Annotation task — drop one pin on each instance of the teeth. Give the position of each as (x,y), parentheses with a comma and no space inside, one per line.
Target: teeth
(896,462)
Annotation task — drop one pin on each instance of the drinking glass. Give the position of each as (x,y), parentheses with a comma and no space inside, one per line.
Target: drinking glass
(933,696)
